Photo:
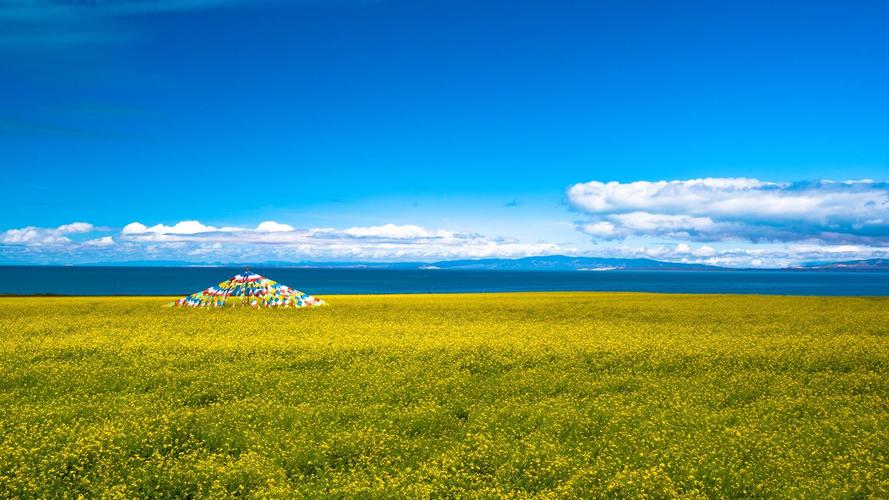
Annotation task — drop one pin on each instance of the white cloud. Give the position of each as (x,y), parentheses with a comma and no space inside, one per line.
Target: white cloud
(75,227)
(765,256)
(195,241)
(181,231)
(33,236)
(183,227)
(602,229)
(276,241)
(717,209)
(599,197)
(704,251)
(396,232)
(134,228)
(43,236)
(271,226)
(104,241)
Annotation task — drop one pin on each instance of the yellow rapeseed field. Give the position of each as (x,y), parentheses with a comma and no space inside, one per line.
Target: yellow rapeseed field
(514,395)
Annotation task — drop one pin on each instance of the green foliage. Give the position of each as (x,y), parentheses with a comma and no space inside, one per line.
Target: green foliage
(552,395)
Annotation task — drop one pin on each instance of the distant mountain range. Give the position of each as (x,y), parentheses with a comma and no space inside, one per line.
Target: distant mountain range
(857,265)
(542,263)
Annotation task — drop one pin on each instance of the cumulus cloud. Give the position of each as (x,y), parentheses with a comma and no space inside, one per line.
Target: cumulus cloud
(32,236)
(134,228)
(104,241)
(393,231)
(183,227)
(43,236)
(68,243)
(181,231)
(271,226)
(271,240)
(719,209)
(601,229)
(75,227)
(758,256)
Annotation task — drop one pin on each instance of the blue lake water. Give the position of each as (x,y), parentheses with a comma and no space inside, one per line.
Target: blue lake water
(27,280)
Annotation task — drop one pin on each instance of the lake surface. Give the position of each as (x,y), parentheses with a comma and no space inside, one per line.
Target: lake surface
(27,280)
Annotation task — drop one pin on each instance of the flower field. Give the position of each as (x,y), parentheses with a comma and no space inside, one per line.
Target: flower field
(519,395)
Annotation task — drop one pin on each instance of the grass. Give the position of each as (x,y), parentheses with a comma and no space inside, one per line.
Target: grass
(557,394)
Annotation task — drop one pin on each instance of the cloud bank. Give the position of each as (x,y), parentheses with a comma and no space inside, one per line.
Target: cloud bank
(750,256)
(734,222)
(193,241)
(269,240)
(41,236)
(739,209)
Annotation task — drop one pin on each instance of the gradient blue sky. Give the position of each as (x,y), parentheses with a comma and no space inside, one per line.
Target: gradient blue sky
(469,121)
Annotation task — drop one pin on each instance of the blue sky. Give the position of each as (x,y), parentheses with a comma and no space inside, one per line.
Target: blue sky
(420,130)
